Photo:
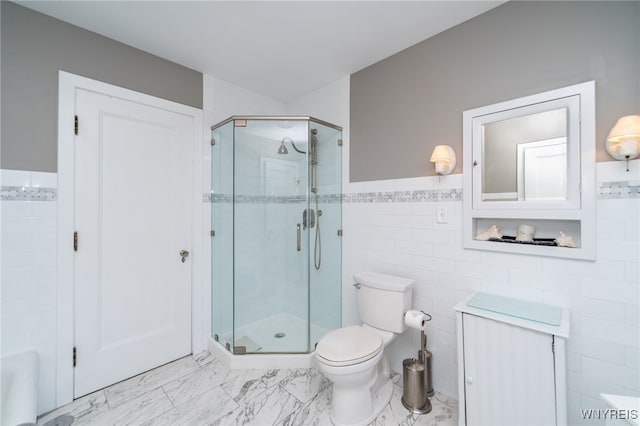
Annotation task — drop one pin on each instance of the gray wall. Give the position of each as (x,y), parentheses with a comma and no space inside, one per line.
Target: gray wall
(403,106)
(35,47)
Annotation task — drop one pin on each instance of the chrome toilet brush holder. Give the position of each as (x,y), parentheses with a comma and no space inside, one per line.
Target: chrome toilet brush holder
(424,356)
(416,377)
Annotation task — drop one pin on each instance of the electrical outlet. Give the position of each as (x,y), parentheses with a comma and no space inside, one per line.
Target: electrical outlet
(441,215)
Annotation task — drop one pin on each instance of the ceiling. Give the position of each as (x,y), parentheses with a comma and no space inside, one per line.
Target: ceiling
(282,49)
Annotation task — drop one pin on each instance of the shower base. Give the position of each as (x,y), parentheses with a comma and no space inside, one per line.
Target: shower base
(266,337)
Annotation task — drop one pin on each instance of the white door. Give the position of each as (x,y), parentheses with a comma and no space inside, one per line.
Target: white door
(542,170)
(133,195)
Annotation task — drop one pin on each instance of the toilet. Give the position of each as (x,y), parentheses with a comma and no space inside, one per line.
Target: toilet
(353,358)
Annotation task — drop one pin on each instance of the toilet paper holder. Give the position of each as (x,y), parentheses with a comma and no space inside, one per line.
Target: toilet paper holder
(427,315)
(416,319)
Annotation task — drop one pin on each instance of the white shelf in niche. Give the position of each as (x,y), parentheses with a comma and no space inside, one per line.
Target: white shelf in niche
(545,228)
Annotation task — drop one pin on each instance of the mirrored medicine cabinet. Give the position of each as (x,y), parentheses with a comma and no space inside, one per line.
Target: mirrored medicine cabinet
(531,161)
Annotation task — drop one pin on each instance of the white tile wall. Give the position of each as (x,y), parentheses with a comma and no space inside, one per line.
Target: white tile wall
(28,286)
(402,238)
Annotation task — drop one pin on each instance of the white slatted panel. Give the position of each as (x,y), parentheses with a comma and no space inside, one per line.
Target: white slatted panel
(508,373)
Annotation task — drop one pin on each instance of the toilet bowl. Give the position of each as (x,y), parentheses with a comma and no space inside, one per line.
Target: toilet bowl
(353,357)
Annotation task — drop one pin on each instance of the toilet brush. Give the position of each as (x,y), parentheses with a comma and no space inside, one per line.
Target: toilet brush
(424,356)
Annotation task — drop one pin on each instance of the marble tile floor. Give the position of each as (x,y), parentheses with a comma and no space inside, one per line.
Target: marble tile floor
(198,390)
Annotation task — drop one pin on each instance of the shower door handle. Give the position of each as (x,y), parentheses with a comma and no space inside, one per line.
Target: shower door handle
(298,237)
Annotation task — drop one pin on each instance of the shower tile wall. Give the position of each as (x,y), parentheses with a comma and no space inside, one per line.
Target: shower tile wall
(28,284)
(389,231)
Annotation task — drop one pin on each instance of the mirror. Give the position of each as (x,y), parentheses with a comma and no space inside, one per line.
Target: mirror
(525,158)
(524,154)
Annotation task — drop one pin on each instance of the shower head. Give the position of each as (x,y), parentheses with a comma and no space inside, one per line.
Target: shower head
(283,148)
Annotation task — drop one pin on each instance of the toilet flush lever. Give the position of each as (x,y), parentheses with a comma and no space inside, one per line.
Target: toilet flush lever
(183,255)
(356,285)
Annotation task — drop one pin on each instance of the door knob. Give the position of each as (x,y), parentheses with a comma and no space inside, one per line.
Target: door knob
(184,254)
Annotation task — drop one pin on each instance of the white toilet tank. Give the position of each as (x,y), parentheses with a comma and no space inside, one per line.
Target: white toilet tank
(383,300)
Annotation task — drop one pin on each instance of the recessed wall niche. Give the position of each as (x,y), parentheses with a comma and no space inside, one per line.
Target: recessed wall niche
(531,161)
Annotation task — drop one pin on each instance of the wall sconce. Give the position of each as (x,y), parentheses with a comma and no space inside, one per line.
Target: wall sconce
(623,142)
(445,159)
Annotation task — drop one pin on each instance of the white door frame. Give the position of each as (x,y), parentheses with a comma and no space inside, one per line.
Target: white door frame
(200,329)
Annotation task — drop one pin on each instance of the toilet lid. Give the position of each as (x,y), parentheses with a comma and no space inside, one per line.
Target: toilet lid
(349,345)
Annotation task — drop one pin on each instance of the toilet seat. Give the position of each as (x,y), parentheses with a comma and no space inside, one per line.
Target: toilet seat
(349,346)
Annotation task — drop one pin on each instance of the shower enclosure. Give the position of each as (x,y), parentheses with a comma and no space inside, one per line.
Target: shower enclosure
(276,189)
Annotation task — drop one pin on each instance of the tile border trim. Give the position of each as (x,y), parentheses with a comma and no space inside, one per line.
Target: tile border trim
(606,190)
(27,193)
(618,190)
(425,195)
(417,196)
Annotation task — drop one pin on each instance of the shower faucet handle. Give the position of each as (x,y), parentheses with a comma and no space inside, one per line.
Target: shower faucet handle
(308,218)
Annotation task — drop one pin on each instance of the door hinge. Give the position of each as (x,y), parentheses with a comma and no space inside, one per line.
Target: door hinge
(75,356)
(339,232)
(339,142)
(75,125)
(75,241)
(213,141)
(553,345)
(213,233)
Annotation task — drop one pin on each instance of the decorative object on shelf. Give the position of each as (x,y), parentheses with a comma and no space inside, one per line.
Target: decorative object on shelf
(525,233)
(623,142)
(492,232)
(535,242)
(445,159)
(565,240)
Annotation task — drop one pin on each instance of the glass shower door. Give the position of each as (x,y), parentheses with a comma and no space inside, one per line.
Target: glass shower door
(222,225)
(325,245)
(270,236)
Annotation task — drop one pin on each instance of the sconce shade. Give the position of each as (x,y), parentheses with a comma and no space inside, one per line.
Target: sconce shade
(440,153)
(445,159)
(623,142)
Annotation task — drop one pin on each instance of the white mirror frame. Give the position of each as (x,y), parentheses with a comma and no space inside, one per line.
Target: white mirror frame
(575,215)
